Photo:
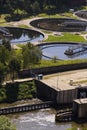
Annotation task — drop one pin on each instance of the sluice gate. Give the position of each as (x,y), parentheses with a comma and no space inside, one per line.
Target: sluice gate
(64,115)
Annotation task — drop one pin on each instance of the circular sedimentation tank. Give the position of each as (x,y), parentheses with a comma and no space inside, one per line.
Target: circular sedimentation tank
(20,35)
(58,50)
(60,24)
(82,14)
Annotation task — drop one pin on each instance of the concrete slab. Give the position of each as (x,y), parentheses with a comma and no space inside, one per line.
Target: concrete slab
(67,80)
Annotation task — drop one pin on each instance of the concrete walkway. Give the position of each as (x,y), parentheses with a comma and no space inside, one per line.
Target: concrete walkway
(27,22)
(18,80)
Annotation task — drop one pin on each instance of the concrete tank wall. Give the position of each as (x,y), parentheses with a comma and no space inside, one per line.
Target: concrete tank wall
(45,92)
(59,97)
(79,108)
(66,96)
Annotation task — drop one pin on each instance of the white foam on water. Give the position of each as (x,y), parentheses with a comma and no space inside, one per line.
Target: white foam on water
(39,118)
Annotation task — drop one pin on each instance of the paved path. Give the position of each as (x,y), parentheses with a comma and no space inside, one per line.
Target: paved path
(27,22)
(18,80)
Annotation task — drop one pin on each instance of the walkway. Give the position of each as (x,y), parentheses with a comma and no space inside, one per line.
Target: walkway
(27,22)
(18,80)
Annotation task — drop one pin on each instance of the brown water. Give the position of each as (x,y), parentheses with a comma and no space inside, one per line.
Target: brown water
(41,120)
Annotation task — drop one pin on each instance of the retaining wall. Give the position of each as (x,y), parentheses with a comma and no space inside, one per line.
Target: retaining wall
(58,97)
(50,70)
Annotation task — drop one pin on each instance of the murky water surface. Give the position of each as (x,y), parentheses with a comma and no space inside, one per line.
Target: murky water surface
(20,35)
(41,120)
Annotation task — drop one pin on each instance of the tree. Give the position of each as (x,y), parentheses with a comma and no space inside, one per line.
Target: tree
(35,7)
(5,124)
(4,55)
(28,8)
(2,72)
(6,44)
(14,66)
(15,5)
(31,55)
(55,58)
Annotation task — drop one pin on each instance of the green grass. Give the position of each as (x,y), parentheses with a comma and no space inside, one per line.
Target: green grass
(50,63)
(2,20)
(66,14)
(67,37)
(23,26)
(20,45)
(83,8)
(57,15)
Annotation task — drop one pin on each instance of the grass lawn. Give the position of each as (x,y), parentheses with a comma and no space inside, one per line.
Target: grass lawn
(49,63)
(67,37)
(2,20)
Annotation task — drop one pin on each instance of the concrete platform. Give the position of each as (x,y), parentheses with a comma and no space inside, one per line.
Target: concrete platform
(66,80)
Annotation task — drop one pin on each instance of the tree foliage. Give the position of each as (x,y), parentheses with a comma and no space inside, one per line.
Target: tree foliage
(31,55)
(4,55)
(35,6)
(11,61)
(26,91)
(14,66)
(2,72)
(5,124)
(6,44)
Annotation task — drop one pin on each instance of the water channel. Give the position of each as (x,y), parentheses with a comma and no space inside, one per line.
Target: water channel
(41,120)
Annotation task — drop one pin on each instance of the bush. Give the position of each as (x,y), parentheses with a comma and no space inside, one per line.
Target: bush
(26,91)
(23,92)
(5,124)
(17,91)
(2,94)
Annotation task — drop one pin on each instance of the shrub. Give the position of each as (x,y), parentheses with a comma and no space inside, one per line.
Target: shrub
(17,91)
(26,91)
(5,124)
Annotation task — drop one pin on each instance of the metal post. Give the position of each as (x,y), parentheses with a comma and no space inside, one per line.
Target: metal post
(57,80)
